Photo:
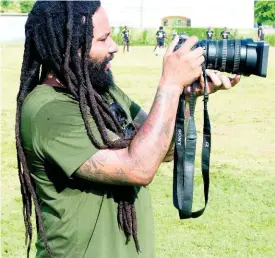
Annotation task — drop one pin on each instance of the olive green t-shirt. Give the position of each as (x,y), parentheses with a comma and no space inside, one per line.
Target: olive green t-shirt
(80,217)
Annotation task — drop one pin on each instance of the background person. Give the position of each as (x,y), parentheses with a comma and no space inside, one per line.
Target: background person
(209,33)
(225,33)
(160,37)
(260,31)
(126,38)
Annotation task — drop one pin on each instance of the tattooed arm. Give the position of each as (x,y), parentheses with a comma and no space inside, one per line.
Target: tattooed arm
(137,164)
(170,154)
(140,119)
(138,122)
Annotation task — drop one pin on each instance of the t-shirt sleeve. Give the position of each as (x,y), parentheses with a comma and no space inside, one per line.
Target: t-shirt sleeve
(62,138)
(133,106)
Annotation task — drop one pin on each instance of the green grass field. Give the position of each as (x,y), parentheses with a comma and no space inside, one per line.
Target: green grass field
(240,218)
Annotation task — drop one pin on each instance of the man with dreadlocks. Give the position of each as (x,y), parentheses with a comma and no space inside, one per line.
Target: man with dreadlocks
(85,150)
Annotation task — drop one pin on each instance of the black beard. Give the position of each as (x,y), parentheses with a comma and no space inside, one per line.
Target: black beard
(101,79)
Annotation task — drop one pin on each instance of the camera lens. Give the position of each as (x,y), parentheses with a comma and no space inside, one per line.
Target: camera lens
(239,56)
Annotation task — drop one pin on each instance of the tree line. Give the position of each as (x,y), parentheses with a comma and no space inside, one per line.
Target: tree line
(16,6)
(264,12)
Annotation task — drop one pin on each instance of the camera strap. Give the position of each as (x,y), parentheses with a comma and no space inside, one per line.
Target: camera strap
(184,157)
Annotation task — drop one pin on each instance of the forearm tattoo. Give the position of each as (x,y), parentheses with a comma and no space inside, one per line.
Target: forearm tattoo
(140,119)
(154,137)
(146,151)
(93,170)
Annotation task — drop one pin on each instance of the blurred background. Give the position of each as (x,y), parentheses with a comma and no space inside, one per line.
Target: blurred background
(240,218)
(143,18)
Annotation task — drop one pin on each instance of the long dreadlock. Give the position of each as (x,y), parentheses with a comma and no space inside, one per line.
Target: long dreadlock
(55,31)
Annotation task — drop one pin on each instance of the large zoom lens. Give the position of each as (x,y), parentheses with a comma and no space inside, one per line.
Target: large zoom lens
(238,56)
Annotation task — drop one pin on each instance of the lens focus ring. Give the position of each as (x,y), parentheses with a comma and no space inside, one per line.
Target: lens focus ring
(237,56)
(224,54)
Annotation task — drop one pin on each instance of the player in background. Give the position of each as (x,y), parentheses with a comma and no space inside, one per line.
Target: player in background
(209,33)
(225,33)
(260,31)
(160,36)
(126,38)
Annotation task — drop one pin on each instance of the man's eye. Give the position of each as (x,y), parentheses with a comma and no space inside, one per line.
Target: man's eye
(103,39)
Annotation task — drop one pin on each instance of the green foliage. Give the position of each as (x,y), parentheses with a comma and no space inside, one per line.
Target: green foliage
(264,12)
(270,39)
(16,6)
(201,32)
(26,6)
(7,5)
(147,36)
(137,36)
(144,36)
(140,37)
(117,35)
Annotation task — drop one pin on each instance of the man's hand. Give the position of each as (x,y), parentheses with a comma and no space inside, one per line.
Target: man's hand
(218,81)
(183,66)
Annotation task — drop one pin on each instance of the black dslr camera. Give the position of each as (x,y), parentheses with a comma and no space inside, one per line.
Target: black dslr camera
(238,56)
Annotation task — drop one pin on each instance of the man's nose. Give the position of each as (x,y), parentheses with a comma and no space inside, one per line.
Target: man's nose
(113,48)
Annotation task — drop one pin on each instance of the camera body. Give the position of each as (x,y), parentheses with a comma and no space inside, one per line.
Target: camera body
(238,56)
